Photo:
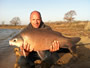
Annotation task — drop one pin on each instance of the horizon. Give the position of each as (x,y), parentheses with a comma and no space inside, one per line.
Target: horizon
(50,10)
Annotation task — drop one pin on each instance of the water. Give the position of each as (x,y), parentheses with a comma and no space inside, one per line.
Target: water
(7,55)
(5,33)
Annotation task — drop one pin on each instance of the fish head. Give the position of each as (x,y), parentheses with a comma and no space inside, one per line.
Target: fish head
(16,41)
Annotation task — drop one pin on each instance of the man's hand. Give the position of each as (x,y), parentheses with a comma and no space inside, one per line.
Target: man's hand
(25,49)
(55,46)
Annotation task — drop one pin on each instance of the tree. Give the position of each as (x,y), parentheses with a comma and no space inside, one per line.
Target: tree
(3,22)
(69,16)
(15,21)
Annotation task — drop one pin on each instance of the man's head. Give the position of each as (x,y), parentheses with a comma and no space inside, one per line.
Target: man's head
(35,19)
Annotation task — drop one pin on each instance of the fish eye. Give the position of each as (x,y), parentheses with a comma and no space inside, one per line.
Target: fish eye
(15,40)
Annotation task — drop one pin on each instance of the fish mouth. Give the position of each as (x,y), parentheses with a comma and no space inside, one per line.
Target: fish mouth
(10,43)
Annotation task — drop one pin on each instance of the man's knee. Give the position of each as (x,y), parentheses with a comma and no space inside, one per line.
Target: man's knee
(22,61)
(50,60)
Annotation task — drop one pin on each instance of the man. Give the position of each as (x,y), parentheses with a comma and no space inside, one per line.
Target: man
(49,58)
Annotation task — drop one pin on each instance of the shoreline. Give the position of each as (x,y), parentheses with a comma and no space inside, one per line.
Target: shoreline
(12,26)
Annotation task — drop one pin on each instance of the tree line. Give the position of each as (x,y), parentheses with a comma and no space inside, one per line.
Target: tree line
(68,17)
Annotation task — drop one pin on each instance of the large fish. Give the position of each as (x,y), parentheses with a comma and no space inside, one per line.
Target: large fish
(42,39)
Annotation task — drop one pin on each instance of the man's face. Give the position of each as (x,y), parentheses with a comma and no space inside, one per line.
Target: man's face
(35,20)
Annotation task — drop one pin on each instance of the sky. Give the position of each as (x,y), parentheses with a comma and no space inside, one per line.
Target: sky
(51,10)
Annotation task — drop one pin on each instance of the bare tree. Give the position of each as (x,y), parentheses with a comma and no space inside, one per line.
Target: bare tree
(15,21)
(69,16)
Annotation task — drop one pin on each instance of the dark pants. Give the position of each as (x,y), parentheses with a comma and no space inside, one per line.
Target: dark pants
(47,58)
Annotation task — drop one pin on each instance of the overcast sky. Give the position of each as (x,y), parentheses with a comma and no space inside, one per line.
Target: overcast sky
(51,10)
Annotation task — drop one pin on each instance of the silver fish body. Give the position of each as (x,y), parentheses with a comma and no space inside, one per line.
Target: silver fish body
(42,39)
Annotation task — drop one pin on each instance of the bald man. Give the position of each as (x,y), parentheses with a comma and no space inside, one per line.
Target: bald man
(49,56)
